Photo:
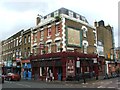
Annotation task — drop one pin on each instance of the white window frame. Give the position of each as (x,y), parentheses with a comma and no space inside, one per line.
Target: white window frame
(49,16)
(17,42)
(25,38)
(85,48)
(57,33)
(35,37)
(20,41)
(20,53)
(29,39)
(56,13)
(83,18)
(42,51)
(58,46)
(70,13)
(41,35)
(84,33)
(14,42)
(84,28)
(49,48)
(77,16)
(35,51)
(13,53)
(49,30)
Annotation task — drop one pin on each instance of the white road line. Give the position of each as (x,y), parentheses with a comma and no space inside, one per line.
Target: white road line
(111,81)
(84,86)
(84,83)
(118,83)
(100,87)
(23,85)
(27,85)
(110,87)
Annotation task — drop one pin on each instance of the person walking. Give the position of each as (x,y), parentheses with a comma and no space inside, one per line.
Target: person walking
(2,78)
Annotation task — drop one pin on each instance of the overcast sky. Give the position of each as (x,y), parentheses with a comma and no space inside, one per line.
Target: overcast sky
(17,15)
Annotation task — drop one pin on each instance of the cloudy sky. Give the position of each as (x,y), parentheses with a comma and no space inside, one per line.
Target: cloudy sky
(17,15)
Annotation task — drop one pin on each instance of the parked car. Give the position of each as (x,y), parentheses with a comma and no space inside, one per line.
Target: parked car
(12,76)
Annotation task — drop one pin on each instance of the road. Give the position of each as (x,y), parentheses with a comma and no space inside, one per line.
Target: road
(109,83)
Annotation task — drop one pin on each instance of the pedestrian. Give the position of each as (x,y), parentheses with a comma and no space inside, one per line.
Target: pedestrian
(47,77)
(2,78)
(26,74)
(84,78)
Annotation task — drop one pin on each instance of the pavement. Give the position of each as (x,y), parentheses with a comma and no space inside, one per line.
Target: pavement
(64,82)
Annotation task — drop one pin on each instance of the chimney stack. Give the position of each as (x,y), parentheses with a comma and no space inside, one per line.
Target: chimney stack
(95,23)
(101,23)
(38,19)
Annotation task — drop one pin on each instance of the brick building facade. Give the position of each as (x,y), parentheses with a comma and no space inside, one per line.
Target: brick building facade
(62,44)
(62,38)
(11,53)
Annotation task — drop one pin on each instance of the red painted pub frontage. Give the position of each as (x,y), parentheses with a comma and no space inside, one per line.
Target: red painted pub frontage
(62,65)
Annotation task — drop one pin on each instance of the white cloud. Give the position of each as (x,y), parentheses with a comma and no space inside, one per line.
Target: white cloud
(13,17)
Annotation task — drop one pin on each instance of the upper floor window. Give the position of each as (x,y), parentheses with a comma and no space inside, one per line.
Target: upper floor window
(35,37)
(25,52)
(29,39)
(14,42)
(58,46)
(85,45)
(25,40)
(20,40)
(28,51)
(13,53)
(85,48)
(83,18)
(49,48)
(57,28)
(77,16)
(84,31)
(20,53)
(70,13)
(49,31)
(35,51)
(17,42)
(48,16)
(41,34)
(56,13)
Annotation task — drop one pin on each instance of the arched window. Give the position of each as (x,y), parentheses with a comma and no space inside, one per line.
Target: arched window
(85,45)
(84,28)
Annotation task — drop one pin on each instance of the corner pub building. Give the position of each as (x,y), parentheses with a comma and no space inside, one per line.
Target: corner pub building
(64,46)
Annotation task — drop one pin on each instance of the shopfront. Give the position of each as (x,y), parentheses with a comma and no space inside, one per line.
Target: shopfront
(26,69)
(62,65)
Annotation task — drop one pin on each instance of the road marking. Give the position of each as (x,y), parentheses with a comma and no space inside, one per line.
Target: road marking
(23,85)
(118,83)
(110,87)
(100,87)
(111,81)
(27,85)
(84,83)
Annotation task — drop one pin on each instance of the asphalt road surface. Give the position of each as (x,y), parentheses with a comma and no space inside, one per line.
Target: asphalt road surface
(109,83)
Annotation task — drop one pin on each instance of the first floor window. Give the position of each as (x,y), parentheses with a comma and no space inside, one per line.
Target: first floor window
(35,51)
(58,46)
(85,48)
(49,31)
(49,48)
